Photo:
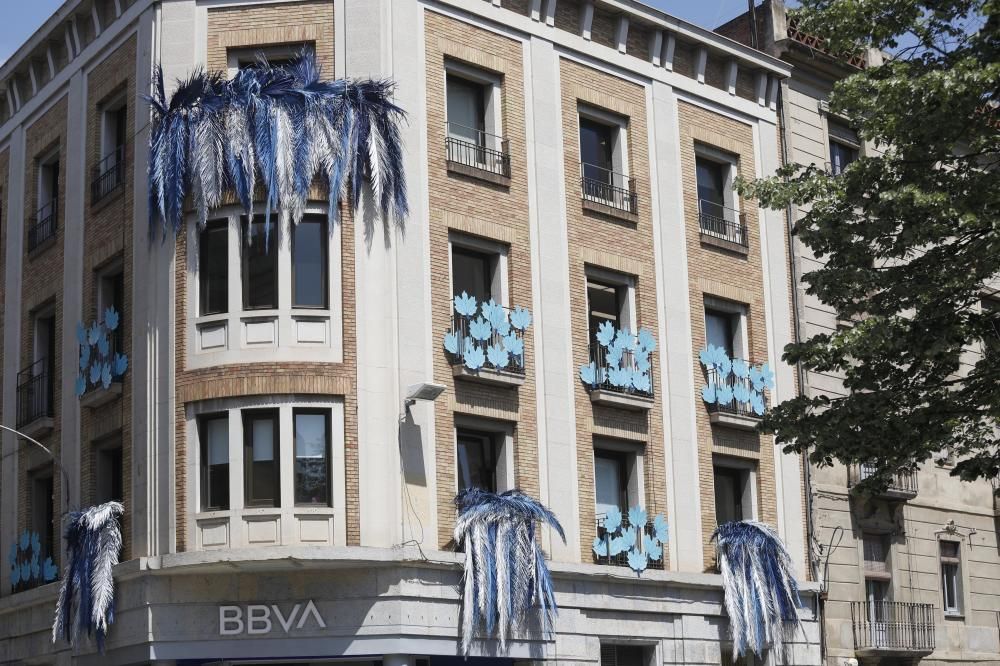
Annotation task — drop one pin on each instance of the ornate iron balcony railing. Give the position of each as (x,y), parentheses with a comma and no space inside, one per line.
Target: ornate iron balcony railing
(34,393)
(109,175)
(892,626)
(603,186)
(621,559)
(738,385)
(45,224)
(477,149)
(902,483)
(723,223)
(604,380)
(462,326)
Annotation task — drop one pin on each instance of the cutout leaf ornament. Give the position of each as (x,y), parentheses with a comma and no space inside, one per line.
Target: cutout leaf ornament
(628,538)
(520,318)
(651,546)
(103,345)
(25,540)
(620,377)
(757,403)
(451,343)
(741,393)
(84,356)
(660,527)
(637,517)
(95,373)
(637,561)
(741,368)
(605,333)
(81,385)
(111,318)
(617,546)
(474,358)
(588,374)
(465,305)
(601,547)
(494,313)
(480,329)
(106,375)
(640,381)
(497,356)
(708,393)
(502,327)
(93,333)
(767,375)
(612,519)
(81,334)
(724,395)
(513,344)
(646,340)
(49,570)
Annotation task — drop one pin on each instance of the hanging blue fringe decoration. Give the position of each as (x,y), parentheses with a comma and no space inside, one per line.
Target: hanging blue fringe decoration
(93,541)
(760,588)
(278,126)
(505,571)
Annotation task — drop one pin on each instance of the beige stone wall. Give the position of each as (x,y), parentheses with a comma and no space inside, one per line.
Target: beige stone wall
(4,174)
(466,205)
(41,286)
(600,241)
(716,272)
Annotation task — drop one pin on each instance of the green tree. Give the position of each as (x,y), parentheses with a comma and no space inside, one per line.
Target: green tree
(910,240)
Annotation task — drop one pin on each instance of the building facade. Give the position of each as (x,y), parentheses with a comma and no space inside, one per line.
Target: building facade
(910,575)
(285,500)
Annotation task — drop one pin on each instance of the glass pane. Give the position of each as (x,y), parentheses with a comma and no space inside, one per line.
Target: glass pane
(949,576)
(309,263)
(466,115)
(605,303)
(719,330)
(213,268)
(263,440)
(263,487)
(215,493)
(728,495)
(596,145)
(711,186)
(260,269)
(312,464)
(476,462)
(841,155)
(471,273)
(607,481)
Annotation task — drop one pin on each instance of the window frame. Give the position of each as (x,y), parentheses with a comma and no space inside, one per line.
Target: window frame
(748,470)
(736,311)
(325,250)
(492,94)
(730,165)
(955,564)
(604,277)
(243,56)
(46,162)
(246,227)
(488,440)
(618,125)
(204,475)
(45,527)
(110,109)
(838,132)
(327,448)
(495,251)
(99,450)
(248,417)
(214,226)
(503,441)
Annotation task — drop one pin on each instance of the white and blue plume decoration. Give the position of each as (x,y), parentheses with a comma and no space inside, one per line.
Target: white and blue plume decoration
(101,362)
(86,600)
(29,566)
(506,581)
(487,335)
(761,594)
(621,361)
(634,541)
(734,385)
(273,129)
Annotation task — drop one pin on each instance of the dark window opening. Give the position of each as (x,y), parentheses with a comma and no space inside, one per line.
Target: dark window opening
(260,457)
(841,155)
(611,483)
(310,281)
(110,474)
(213,268)
(623,655)
(472,273)
(260,268)
(466,111)
(477,459)
(730,494)
(213,431)
(606,303)
(312,457)
(597,151)
(722,329)
(43,512)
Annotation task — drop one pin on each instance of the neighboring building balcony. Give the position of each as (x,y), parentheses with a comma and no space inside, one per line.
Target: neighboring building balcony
(486,342)
(737,402)
(44,226)
(903,485)
(34,399)
(723,227)
(892,628)
(475,153)
(108,176)
(608,192)
(621,376)
(620,559)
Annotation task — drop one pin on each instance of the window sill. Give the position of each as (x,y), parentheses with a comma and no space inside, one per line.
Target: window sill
(101,396)
(488,376)
(954,616)
(39,427)
(737,421)
(108,199)
(597,206)
(42,247)
(724,244)
(478,173)
(628,401)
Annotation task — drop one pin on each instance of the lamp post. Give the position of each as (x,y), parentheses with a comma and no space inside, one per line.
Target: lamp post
(51,455)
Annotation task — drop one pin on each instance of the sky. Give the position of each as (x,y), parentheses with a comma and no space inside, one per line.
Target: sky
(21,18)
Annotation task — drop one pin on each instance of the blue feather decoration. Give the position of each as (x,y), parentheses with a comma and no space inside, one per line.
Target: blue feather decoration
(280,127)
(506,577)
(93,540)
(762,596)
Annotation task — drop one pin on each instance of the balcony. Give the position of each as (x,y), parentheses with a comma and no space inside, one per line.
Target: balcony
(745,401)
(35,399)
(723,227)
(608,193)
(96,392)
(621,559)
(486,342)
(43,229)
(903,485)
(108,176)
(620,371)
(892,628)
(477,154)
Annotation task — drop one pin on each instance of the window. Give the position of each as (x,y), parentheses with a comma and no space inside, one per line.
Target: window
(473,136)
(878,583)
(466,115)
(213,268)
(951,577)
(276,55)
(604,160)
(213,431)
(608,301)
(260,457)
(991,338)
(611,482)
(725,325)
(45,361)
(310,278)
(312,457)
(733,492)
(597,142)
(477,459)
(260,267)
(474,272)
(875,555)
(109,172)
(109,474)
(110,284)
(43,511)
(43,226)
(623,655)
(712,189)
(844,146)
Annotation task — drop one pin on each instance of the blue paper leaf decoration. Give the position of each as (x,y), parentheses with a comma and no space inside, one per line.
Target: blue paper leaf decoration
(103,346)
(12,555)
(628,538)
(741,393)
(613,357)
(111,318)
(640,381)
(494,313)
(646,340)
(741,368)
(768,376)
(480,329)
(513,344)
(708,393)
(25,540)
(600,547)
(637,517)
(757,403)
(651,547)
(120,365)
(617,546)
(36,542)
(637,561)
(502,327)
(660,526)
(35,569)
(80,385)
(605,333)
(588,374)
(106,375)
(624,339)
(81,334)
(451,343)
(642,361)
(474,358)
(520,318)
(95,373)
(25,571)
(94,333)
(498,356)
(15,574)
(84,356)
(706,357)
(465,305)
(724,395)
(757,378)
(620,377)
(49,570)
(723,366)
(612,519)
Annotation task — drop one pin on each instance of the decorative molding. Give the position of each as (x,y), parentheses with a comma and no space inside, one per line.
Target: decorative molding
(492,229)
(613,262)
(261,382)
(715,139)
(726,291)
(604,101)
(473,56)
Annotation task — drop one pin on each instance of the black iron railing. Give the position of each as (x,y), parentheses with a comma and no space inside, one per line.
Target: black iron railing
(737,407)
(109,174)
(34,392)
(723,223)
(515,362)
(621,559)
(477,149)
(902,482)
(609,188)
(44,225)
(603,376)
(893,626)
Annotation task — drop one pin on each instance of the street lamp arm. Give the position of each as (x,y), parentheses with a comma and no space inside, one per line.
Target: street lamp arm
(55,462)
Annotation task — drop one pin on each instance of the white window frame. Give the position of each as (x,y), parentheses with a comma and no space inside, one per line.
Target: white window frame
(504,432)
(108,108)
(493,90)
(960,583)
(730,164)
(742,342)
(293,525)
(612,277)
(498,281)
(274,335)
(750,467)
(619,148)
(241,57)
(43,193)
(636,455)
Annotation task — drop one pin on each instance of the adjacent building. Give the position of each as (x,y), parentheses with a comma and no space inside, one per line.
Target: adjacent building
(288,488)
(910,575)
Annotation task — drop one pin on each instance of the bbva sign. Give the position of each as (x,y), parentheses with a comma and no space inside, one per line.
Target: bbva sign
(257,618)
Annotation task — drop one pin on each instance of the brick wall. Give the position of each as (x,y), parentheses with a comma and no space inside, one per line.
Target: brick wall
(461,204)
(716,272)
(599,241)
(41,286)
